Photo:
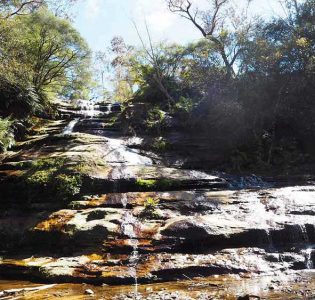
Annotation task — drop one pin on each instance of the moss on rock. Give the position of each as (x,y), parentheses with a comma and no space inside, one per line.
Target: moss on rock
(52,178)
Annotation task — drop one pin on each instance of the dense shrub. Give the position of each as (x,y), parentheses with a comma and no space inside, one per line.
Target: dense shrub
(6,134)
(150,209)
(52,178)
(16,100)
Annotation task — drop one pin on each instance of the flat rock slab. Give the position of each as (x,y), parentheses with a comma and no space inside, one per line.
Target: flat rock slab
(148,223)
(148,178)
(192,221)
(114,269)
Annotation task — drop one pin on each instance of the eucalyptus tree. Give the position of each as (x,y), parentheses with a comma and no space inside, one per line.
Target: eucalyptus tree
(12,8)
(44,54)
(224,25)
(55,51)
(122,54)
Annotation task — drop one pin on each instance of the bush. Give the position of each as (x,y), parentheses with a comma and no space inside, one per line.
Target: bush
(184,105)
(6,134)
(18,101)
(52,179)
(155,120)
(150,209)
(158,184)
(145,184)
(67,186)
(160,144)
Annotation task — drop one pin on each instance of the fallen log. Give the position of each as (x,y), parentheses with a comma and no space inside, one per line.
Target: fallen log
(8,294)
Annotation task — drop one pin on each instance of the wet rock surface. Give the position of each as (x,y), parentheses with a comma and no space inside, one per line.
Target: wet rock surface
(139,223)
(228,287)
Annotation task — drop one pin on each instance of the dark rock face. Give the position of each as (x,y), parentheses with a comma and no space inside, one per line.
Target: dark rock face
(188,229)
(137,220)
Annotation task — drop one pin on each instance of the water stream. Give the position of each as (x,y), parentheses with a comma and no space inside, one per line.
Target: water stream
(304,234)
(308,253)
(128,224)
(69,128)
(250,207)
(244,182)
(109,109)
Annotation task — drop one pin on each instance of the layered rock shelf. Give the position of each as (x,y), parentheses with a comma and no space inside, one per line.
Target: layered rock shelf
(145,230)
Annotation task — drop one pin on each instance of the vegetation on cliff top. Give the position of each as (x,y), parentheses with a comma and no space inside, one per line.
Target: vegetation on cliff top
(42,57)
(246,86)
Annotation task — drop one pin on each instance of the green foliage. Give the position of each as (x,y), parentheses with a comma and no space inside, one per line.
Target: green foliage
(158,184)
(155,120)
(56,52)
(86,166)
(52,178)
(155,117)
(6,134)
(160,144)
(151,204)
(248,90)
(44,52)
(184,105)
(146,184)
(67,186)
(42,57)
(150,209)
(17,101)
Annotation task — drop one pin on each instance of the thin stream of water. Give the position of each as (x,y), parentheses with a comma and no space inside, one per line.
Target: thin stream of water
(69,128)
(128,228)
(309,257)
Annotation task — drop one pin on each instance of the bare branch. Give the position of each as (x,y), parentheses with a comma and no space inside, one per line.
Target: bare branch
(216,25)
(19,9)
(157,76)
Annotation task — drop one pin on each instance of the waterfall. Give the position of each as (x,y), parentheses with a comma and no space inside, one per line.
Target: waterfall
(127,227)
(304,234)
(309,251)
(69,128)
(124,200)
(269,239)
(308,258)
(245,182)
(109,108)
(134,259)
(88,109)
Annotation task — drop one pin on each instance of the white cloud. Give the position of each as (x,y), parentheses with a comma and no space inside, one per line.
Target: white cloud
(93,9)
(160,20)
(158,17)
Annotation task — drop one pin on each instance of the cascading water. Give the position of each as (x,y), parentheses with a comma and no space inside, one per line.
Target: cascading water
(90,109)
(304,234)
(69,128)
(134,258)
(124,200)
(87,110)
(248,182)
(128,225)
(244,182)
(309,251)
(269,238)
(308,258)
(109,108)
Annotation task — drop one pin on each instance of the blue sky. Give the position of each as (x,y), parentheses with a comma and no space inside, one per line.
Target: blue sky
(100,20)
